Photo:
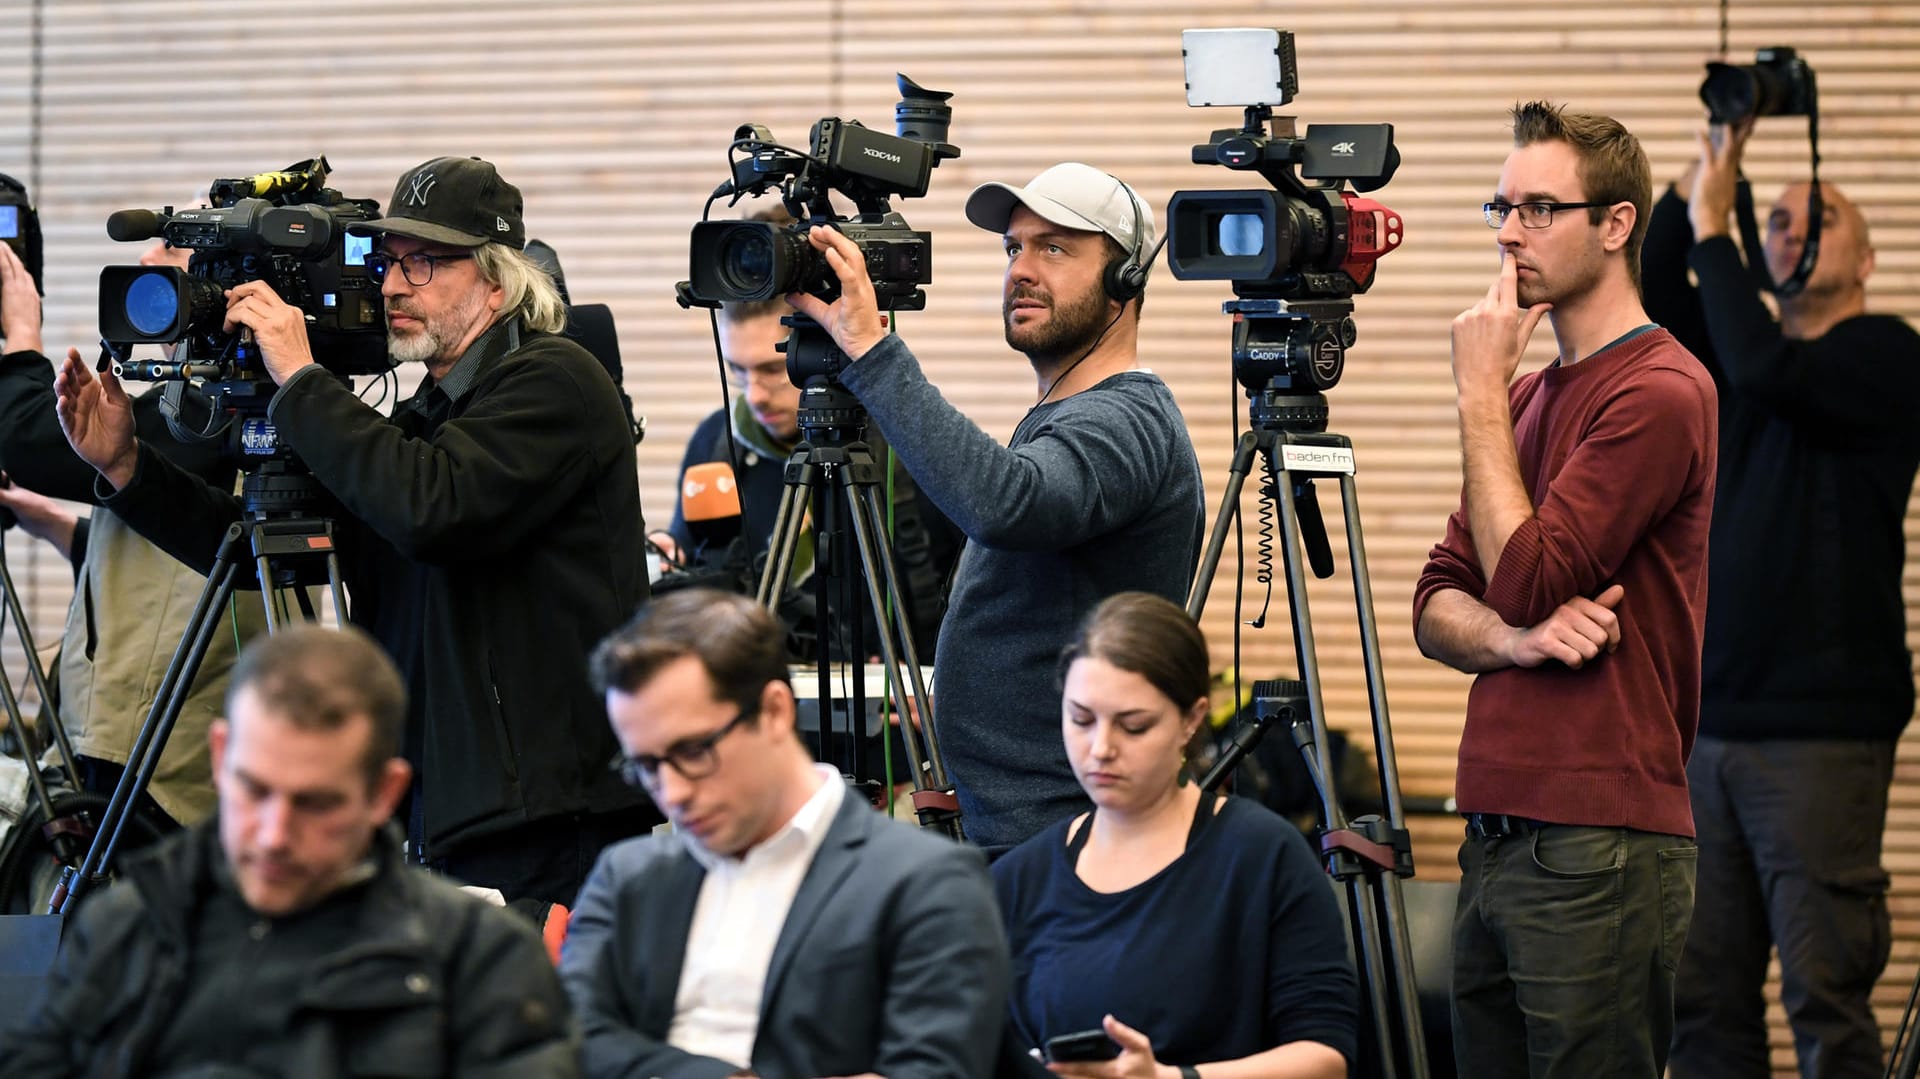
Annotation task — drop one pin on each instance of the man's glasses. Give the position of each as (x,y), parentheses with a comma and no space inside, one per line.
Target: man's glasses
(417,267)
(693,759)
(1533,215)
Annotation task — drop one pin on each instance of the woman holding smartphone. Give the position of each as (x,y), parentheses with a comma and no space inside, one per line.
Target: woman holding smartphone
(1199,933)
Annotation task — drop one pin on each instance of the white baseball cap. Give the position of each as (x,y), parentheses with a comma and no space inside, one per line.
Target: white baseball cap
(1072,196)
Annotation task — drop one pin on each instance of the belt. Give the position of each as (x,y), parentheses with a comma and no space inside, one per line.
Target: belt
(1501,825)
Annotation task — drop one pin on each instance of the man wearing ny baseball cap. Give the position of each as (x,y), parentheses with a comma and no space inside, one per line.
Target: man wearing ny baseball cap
(1097,490)
(489,530)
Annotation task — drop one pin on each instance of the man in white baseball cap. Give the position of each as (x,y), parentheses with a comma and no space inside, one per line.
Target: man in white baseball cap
(1097,491)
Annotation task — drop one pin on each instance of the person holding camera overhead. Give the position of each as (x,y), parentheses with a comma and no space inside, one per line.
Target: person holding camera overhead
(1167,927)
(1806,681)
(1572,583)
(490,532)
(1097,491)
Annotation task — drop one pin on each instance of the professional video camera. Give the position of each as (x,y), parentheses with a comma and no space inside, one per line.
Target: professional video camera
(743,261)
(1298,254)
(1777,83)
(20,226)
(285,228)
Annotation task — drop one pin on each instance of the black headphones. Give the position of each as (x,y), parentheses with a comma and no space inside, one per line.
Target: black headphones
(1125,279)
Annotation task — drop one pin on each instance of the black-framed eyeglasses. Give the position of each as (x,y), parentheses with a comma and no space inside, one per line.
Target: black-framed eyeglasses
(416,267)
(695,758)
(1533,215)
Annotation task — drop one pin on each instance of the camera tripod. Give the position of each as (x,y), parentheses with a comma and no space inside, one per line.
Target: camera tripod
(833,471)
(291,548)
(60,835)
(1368,855)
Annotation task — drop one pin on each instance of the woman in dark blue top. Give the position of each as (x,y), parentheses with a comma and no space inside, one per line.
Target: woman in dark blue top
(1200,933)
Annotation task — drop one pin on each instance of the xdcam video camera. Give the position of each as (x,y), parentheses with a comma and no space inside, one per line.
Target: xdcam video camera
(744,261)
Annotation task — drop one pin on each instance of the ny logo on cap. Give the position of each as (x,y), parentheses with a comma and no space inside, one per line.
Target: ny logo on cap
(418,187)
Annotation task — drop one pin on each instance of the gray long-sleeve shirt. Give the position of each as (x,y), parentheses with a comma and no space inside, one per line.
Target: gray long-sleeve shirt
(1095,494)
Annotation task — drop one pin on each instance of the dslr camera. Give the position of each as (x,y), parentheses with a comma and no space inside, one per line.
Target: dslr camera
(1297,254)
(286,228)
(744,261)
(1777,83)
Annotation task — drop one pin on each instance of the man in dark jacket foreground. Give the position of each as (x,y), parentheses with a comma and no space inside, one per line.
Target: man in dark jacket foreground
(288,937)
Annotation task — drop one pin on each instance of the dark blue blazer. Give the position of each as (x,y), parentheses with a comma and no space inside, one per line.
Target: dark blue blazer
(892,959)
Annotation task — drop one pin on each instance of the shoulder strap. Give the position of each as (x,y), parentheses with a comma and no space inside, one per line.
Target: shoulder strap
(1077,842)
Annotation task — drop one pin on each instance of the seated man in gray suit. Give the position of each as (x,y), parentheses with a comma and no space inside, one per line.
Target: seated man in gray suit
(784,929)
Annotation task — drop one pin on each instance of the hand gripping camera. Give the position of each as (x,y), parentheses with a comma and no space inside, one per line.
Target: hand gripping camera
(285,228)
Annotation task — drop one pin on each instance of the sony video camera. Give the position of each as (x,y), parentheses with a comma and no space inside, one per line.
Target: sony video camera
(1777,83)
(744,261)
(1297,254)
(285,228)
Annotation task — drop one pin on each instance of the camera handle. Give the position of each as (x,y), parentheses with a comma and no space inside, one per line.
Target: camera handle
(1369,856)
(287,553)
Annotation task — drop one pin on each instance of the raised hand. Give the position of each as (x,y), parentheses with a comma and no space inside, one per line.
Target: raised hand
(854,320)
(1490,337)
(97,418)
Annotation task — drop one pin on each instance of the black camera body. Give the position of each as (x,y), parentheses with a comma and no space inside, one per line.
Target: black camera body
(1777,83)
(748,261)
(286,229)
(20,227)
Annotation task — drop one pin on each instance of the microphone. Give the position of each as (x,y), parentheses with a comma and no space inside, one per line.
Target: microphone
(710,504)
(128,225)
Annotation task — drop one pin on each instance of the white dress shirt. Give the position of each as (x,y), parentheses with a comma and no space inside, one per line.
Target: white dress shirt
(736,921)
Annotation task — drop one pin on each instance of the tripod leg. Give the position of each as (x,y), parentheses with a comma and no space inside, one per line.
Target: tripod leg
(62,747)
(144,756)
(1216,542)
(1392,901)
(1370,653)
(1303,647)
(929,731)
(786,536)
(894,641)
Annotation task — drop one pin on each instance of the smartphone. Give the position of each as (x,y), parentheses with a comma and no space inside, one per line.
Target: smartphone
(1082,1045)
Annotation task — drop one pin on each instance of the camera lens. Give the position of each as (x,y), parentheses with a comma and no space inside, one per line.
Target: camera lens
(151,304)
(746,260)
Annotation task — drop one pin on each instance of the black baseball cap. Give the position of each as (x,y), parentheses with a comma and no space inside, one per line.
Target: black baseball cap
(453,200)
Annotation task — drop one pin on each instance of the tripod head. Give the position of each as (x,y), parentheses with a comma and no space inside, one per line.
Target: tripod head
(828,414)
(1287,353)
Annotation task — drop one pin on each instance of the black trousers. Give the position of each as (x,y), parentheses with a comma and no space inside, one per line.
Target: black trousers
(1790,837)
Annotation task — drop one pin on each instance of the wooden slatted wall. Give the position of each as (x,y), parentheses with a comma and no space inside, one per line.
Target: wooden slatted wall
(613,118)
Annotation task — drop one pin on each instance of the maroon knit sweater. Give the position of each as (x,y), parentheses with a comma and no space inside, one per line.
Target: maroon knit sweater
(1617,452)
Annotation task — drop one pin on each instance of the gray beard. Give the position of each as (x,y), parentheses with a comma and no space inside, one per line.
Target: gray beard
(412,348)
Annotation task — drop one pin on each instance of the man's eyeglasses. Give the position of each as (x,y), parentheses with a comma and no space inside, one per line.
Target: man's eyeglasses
(693,759)
(416,267)
(1533,215)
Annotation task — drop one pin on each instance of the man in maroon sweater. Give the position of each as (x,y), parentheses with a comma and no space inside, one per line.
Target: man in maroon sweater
(1572,582)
